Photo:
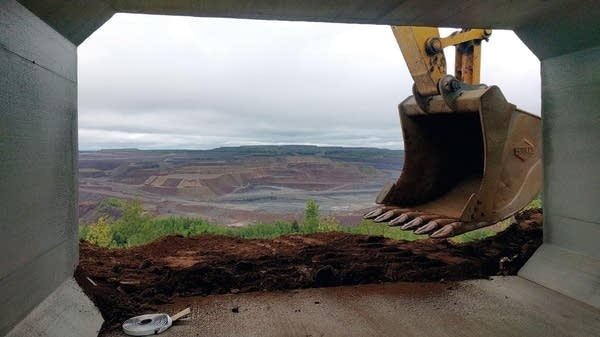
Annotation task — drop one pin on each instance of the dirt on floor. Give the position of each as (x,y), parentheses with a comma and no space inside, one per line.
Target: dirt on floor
(129,282)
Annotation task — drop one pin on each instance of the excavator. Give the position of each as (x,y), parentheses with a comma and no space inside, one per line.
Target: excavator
(471,158)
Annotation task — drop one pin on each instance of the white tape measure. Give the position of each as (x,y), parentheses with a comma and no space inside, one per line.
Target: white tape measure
(151,324)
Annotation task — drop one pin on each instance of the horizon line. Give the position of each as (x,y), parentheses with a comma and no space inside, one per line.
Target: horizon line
(235,146)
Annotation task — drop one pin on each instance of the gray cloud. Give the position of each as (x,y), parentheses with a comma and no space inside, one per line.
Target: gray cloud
(177,82)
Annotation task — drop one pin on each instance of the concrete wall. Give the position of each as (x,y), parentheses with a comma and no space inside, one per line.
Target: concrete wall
(571,105)
(569,261)
(38,131)
(38,147)
(554,21)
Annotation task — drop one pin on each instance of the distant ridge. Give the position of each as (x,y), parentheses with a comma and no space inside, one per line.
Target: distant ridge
(348,154)
(258,148)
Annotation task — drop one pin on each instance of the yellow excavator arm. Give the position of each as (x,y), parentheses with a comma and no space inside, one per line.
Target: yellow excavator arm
(423,50)
(471,158)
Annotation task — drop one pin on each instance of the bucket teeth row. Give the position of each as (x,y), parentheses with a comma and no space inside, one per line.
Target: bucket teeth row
(434,225)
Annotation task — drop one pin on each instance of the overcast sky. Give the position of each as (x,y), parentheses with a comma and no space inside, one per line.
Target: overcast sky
(165,82)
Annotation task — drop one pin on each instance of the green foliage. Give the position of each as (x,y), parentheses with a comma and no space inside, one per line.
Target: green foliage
(295,226)
(110,208)
(135,227)
(329,224)
(261,230)
(84,232)
(478,234)
(535,203)
(99,233)
(111,202)
(311,217)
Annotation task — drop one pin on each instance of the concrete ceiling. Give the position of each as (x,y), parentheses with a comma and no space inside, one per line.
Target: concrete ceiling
(548,27)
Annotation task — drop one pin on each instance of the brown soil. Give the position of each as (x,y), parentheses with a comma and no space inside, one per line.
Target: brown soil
(129,282)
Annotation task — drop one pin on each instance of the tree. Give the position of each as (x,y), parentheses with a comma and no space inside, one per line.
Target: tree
(131,225)
(311,217)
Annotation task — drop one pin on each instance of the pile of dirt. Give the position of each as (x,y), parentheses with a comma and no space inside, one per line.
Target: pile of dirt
(128,282)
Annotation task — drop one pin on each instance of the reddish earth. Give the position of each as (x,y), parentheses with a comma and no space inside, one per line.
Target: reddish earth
(128,282)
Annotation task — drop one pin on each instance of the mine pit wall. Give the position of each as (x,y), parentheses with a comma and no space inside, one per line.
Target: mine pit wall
(38,133)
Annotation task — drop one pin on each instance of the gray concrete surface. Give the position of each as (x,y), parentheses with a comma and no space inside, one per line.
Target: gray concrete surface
(549,28)
(67,312)
(571,141)
(505,306)
(567,272)
(38,153)
(38,120)
(571,136)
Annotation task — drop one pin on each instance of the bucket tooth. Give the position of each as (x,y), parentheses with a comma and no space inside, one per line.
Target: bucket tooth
(433,225)
(429,227)
(458,228)
(378,211)
(388,215)
(418,221)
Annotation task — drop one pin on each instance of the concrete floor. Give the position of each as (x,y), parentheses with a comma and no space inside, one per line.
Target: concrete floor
(504,306)
(67,312)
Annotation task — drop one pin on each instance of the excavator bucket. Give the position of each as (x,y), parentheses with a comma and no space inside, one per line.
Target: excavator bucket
(471,160)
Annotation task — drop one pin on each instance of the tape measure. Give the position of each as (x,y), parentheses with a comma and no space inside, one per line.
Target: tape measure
(151,324)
